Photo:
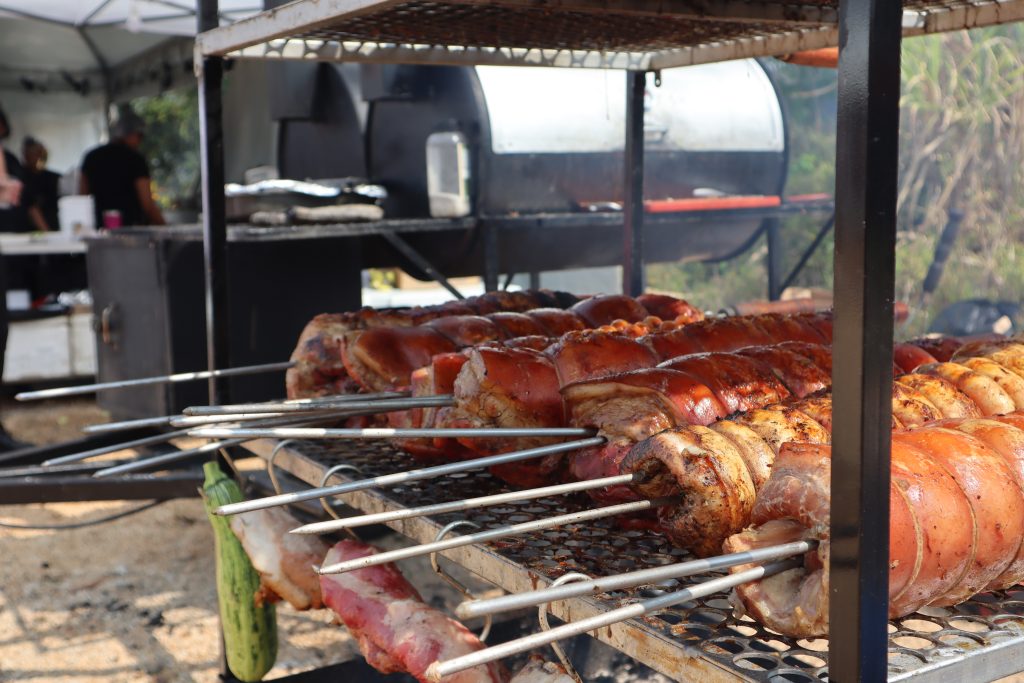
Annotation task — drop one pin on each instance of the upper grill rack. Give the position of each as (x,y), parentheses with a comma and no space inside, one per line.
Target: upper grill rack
(699,640)
(630,34)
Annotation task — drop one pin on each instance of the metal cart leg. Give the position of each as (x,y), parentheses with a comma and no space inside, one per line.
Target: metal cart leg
(865,239)
(210,72)
(633,203)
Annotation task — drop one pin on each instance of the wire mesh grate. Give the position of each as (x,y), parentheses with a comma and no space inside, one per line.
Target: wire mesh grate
(934,641)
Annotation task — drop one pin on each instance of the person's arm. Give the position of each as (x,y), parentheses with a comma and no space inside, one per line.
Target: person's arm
(144,189)
(83,183)
(35,215)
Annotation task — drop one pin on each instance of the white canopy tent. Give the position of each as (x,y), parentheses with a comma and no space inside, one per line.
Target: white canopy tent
(64,61)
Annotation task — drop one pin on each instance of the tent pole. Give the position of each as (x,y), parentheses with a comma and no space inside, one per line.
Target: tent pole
(210,71)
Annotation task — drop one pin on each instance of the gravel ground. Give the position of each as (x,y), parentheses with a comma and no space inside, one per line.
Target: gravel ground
(132,600)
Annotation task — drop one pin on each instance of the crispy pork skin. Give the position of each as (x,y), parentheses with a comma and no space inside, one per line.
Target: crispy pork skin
(739,383)
(956,522)
(943,394)
(284,561)
(669,308)
(319,369)
(467,330)
(799,373)
(604,309)
(383,358)
(395,629)
(1010,382)
(517,324)
(941,348)
(986,393)
(909,357)
(508,388)
(557,322)
(585,355)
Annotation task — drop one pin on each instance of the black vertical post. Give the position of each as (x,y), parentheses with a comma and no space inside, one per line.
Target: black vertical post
(633,203)
(491,264)
(865,244)
(215,237)
(773,240)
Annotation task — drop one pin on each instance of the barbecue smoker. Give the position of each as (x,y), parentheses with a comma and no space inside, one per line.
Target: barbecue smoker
(543,146)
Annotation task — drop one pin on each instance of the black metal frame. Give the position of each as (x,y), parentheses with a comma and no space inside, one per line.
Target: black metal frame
(866,160)
(863,290)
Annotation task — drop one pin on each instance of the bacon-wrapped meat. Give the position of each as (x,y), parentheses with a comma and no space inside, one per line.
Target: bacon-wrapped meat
(740,382)
(396,630)
(758,435)
(284,561)
(320,370)
(379,359)
(956,523)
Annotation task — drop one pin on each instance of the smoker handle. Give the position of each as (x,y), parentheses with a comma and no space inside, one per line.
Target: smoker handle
(107,324)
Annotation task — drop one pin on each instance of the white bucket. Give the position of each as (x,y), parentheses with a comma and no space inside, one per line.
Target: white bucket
(77,215)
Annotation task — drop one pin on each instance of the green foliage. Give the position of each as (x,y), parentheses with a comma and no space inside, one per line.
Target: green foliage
(961,146)
(171,145)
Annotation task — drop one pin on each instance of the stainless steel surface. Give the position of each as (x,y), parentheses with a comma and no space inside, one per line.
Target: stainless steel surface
(134,443)
(165,458)
(125,425)
(396,477)
(386,404)
(439,670)
(459,505)
(505,603)
(59,392)
(569,518)
(703,639)
(275,406)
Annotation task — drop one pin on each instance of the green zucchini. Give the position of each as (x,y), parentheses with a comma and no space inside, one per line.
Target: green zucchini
(250,632)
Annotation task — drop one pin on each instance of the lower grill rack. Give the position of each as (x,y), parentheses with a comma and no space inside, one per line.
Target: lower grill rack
(981,639)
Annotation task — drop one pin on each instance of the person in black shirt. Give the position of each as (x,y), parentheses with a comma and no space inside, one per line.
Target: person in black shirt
(12,219)
(43,185)
(13,216)
(117,177)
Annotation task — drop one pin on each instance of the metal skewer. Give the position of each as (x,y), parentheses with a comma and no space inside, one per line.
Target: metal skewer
(162,438)
(439,670)
(125,425)
(41,470)
(405,477)
(58,392)
(364,407)
(164,458)
(505,603)
(459,505)
(231,413)
(272,406)
(136,443)
(388,433)
(492,534)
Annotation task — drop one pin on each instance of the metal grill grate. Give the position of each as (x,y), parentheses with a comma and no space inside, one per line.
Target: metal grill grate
(588,33)
(983,636)
(434,23)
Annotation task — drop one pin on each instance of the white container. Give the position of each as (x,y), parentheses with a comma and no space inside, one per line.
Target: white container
(77,215)
(448,175)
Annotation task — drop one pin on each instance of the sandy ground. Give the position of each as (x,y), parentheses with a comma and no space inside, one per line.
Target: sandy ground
(132,600)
